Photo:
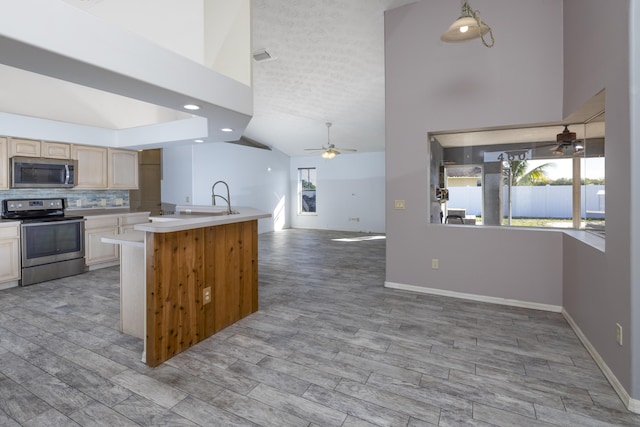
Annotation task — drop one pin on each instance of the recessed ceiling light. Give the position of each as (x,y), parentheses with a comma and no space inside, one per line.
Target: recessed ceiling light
(226,130)
(199,141)
(191,107)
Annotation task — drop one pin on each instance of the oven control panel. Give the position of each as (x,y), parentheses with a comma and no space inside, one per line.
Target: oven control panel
(21,205)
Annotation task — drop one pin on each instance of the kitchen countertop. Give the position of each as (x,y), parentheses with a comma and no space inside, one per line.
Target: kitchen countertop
(200,216)
(132,238)
(102,211)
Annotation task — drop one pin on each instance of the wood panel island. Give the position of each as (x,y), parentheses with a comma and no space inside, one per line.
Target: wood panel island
(185,277)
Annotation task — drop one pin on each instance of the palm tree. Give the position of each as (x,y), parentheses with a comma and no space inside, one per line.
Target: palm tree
(520,176)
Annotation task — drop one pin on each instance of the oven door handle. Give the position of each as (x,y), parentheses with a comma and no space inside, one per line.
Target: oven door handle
(45,222)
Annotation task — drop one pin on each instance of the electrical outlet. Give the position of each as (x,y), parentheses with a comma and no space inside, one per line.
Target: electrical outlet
(119,202)
(435,263)
(619,334)
(103,202)
(206,295)
(78,203)
(186,199)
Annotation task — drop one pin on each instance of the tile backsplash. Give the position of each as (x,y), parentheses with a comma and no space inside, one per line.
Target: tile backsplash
(76,199)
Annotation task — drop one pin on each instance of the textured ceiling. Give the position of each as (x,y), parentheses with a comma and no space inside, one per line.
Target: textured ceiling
(329,67)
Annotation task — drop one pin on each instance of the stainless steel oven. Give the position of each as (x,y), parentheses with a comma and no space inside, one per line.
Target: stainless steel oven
(52,243)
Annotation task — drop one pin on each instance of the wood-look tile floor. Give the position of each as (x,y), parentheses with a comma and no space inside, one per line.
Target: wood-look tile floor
(330,346)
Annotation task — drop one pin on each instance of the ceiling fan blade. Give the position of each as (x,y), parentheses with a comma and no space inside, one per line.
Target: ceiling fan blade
(352,150)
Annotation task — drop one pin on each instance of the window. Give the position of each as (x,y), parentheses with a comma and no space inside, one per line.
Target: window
(306,191)
(531,177)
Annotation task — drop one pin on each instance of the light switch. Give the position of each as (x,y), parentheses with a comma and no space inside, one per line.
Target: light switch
(399,204)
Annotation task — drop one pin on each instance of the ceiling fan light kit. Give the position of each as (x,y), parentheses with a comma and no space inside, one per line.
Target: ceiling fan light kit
(566,139)
(330,151)
(468,26)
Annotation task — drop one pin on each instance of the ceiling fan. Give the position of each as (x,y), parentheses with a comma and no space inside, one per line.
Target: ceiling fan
(330,151)
(566,141)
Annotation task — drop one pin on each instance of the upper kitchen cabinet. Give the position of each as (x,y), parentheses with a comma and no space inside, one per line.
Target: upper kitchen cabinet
(55,150)
(4,165)
(123,169)
(24,148)
(92,166)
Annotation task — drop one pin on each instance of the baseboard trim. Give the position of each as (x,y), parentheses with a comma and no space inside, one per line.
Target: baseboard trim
(632,405)
(7,285)
(474,297)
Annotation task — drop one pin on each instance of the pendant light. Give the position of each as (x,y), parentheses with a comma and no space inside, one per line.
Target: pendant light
(467,27)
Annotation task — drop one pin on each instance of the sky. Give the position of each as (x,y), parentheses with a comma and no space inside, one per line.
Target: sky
(593,167)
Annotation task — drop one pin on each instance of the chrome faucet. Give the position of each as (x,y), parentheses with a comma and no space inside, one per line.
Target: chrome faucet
(214,196)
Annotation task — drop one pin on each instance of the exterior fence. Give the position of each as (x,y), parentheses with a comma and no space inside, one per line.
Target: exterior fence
(549,201)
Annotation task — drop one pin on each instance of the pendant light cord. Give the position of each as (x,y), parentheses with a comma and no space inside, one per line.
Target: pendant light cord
(476,16)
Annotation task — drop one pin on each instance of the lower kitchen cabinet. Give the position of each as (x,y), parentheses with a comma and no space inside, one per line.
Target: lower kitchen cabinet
(95,228)
(9,252)
(127,222)
(99,254)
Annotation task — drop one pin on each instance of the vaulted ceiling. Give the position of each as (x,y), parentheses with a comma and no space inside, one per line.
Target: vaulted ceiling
(327,66)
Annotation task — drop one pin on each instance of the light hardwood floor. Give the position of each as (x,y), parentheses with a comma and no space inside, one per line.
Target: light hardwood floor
(330,346)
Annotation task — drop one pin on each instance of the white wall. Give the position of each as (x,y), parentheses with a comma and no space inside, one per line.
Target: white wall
(349,186)
(431,86)
(257,178)
(176,185)
(178,26)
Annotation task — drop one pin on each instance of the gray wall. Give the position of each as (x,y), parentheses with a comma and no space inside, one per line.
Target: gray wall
(432,86)
(526,78)
(598,288)
(635,196)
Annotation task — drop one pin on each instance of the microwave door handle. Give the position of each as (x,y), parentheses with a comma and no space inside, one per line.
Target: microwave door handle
(66,174)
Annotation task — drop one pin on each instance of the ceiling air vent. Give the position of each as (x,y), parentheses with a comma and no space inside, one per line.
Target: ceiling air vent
(262,55)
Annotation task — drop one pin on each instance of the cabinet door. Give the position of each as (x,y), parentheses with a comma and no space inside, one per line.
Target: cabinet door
(123,169)
(56,150)
(92,166)
(134,218)
(4,165)
(96,251)
(10,253)
(24,148)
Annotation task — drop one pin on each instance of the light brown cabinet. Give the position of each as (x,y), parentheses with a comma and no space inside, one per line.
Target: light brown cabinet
(55,150)
(98,167)
(92,166)
(99,254)
(24,148)
(10,252)
(128,221)
(122,169)
(95,228)
(4,165)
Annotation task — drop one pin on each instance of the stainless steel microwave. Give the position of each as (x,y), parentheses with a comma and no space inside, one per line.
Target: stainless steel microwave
(34,172)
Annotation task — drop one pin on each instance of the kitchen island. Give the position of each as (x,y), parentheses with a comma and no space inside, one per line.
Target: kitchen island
(191,274)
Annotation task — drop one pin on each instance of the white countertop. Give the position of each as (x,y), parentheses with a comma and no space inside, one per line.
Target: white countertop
(200,216)
(132,238)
